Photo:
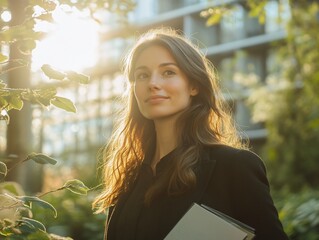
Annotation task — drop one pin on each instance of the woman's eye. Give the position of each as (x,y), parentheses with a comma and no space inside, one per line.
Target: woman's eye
(141,76)
(168,73)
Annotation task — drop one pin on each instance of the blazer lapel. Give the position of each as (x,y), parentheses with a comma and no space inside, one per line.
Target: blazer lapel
(204,173)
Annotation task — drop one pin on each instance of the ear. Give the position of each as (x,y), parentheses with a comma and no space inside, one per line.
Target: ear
(194,91)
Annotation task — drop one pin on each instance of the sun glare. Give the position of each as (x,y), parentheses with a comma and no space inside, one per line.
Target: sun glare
(5,16)
(71,43)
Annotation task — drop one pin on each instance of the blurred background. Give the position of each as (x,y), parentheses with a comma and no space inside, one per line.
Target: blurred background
(267,56)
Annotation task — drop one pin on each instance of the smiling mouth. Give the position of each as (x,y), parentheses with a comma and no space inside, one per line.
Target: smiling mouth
(155,99)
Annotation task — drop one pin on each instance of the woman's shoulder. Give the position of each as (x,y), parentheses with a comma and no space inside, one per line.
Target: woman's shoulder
(242,166)
(224,154)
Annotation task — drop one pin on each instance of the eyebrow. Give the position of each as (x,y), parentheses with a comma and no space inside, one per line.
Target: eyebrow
(161,65)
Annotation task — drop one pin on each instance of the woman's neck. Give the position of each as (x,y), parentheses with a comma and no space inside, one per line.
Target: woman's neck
(166,139)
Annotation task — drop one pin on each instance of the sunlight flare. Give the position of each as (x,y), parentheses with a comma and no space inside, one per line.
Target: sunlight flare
(71,43)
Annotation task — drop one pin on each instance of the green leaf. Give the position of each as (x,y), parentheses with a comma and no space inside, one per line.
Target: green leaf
(42,101)
(214,19)
(77,77)
(3,58)
(44,96)
(26,46)
(44,204)
(32,223)
(76,186)
(52,73)
(23,212)
(41,158)
(6,232)
(11,187)
(41,96)
(258,10)
(3,170)
(64,103)
(7,227)
(15,101)
(49,92)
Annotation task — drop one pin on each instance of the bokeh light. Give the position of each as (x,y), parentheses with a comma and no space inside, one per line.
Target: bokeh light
(5,16)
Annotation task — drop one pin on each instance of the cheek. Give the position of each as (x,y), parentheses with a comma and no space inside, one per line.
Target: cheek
(185,96)
(181,90)
(138,92)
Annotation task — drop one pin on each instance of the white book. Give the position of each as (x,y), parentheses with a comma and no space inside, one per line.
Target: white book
(203,223)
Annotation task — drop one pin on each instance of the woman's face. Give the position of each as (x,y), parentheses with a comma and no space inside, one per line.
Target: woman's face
(161,89)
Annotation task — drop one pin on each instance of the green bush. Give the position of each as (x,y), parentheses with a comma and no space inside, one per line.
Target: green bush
(75,217)
(299,213)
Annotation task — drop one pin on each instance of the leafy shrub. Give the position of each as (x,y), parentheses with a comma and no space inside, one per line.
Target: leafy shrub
(75,217)
(299,213)
(17,209)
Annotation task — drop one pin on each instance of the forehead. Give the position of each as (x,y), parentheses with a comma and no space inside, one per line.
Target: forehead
(154,55)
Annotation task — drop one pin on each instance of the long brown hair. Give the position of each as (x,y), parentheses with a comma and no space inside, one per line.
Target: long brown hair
(205,122)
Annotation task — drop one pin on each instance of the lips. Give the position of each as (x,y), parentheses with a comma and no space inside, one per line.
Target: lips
(155,99)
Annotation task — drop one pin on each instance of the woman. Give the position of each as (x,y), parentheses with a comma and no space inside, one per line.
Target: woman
(176,145)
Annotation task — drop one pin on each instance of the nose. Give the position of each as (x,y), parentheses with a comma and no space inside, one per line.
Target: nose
(155,80)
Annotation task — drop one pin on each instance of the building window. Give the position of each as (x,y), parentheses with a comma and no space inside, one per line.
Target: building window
(232,26)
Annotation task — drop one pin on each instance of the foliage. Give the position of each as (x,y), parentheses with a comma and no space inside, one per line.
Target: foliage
(26,37)
(288,102)
(292,103)
(226,10)
(17,210)
(75,217)
(299,214)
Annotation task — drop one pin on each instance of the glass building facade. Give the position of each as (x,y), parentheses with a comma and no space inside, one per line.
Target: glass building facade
(237,44)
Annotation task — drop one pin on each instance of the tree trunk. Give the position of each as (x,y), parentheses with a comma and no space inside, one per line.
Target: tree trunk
(19,130)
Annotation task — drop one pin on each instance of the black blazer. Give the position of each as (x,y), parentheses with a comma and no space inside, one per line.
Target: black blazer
(229,180)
